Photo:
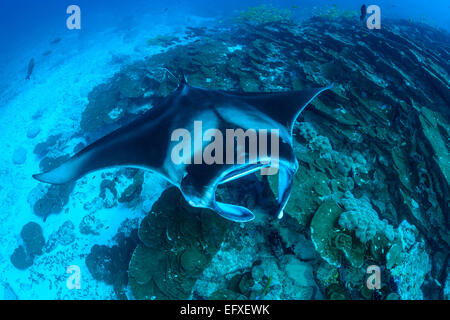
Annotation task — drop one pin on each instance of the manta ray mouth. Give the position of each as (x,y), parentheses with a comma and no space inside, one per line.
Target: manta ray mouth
(233,211)
(243,171)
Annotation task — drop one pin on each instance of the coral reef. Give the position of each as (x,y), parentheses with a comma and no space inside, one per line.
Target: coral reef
(131,194)
(116,101)
(64,236)
(178,242)
(110,264)
(32,237)
(41,149)
(90,225)
(20,259)
(32,243)
(164,40)
(373,181)
(108,193)
(363,219)
(53,200)
(362,150)
(264,14)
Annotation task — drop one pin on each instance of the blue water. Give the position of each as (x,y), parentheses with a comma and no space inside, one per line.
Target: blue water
(65,73)
(25,24)
(25,21)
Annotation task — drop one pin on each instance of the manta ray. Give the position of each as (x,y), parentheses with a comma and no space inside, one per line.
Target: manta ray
(147,143)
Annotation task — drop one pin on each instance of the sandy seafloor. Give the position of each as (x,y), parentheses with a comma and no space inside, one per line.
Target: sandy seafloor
(58,91)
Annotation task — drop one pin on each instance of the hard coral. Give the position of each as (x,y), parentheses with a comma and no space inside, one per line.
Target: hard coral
(178,242)
(359,216)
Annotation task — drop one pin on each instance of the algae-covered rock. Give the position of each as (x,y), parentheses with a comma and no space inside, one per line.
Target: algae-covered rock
(102,100)
(300,284)
(401,165)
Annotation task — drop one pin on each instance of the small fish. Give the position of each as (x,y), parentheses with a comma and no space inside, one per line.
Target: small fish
(363,12)
(30,68)
(55,41)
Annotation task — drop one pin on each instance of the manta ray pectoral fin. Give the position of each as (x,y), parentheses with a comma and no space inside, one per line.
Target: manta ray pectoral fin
(66,172)
(127,146)
(233,212)
(284,107)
